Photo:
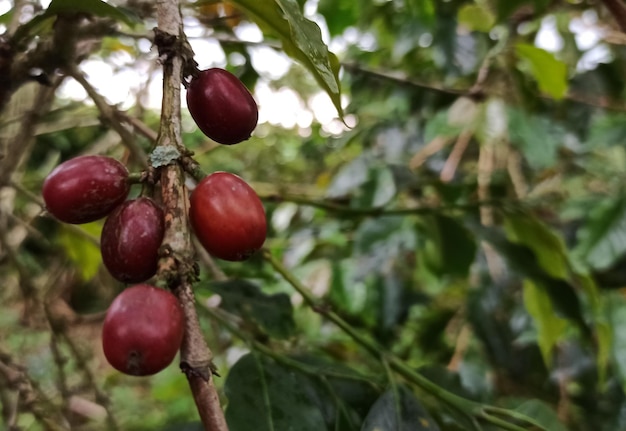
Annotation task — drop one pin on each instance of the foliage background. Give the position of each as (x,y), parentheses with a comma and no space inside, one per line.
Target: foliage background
(470,221)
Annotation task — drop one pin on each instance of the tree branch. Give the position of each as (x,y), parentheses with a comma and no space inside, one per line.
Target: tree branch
(177,264)
(109,115)
(618,10)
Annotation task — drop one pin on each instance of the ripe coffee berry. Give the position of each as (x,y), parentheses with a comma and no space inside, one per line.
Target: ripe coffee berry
(130,240)
(227,216)
(85,188)
(222,106)
(142,330)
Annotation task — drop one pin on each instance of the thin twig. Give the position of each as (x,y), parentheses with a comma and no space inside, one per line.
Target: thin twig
(449,168)
(380,211)
(108,114)
(139,126)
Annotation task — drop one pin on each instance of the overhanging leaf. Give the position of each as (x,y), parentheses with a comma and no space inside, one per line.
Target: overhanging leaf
(550,73)
(264,396)
(301,40)
(398,410)
(94,7)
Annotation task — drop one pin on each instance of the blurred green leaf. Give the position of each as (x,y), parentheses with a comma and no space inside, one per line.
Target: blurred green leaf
(339,15)
(616,308)
(265,396)
(398,409)
(350,177)
(272,313)
(383,187)
(476,17)
(81,251)
(550,73)
(301,39)
(542,415)
(523,261)
(550,327)
(601,241)
(536,137)
(450,248)
(524,228)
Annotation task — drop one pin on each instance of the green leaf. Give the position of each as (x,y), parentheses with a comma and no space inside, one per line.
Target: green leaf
(547,245)
(339,15)
(301,40)
(81,251)
(523,260)
(265,396)
(272,313)
(350,177)
(378,190)
(550,73)
(398,410)
(476,17)
(550,327)
(542,415)
(601,241)
(450,249)
(536,137)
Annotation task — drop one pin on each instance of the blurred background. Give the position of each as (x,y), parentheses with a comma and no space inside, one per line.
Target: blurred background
(467,212)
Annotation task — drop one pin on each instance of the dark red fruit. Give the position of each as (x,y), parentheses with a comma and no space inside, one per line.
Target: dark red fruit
(85,188)
(222,106)
(130,240)
(227,217)
(142,330)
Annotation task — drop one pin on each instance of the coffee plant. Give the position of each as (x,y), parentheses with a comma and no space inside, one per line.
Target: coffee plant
(312,215)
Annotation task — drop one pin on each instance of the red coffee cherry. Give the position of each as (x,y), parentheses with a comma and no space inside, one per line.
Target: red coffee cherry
(222,106)
(130,240)
(227,217)
(85,189)
(142,330)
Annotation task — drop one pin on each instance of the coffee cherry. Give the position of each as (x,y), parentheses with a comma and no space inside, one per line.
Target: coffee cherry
(142,330)
(85,188)
(227,217)
(222,106)
(130,240)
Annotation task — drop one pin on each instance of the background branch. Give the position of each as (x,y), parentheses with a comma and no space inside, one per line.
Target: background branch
(618,10)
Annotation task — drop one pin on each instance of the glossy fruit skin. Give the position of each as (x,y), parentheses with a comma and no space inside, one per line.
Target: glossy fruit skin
(130,240)
(227,216)
(222,106)
(85,188)
(142,330)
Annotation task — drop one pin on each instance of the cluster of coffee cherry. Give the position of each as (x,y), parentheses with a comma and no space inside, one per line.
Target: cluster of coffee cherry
(144,325)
